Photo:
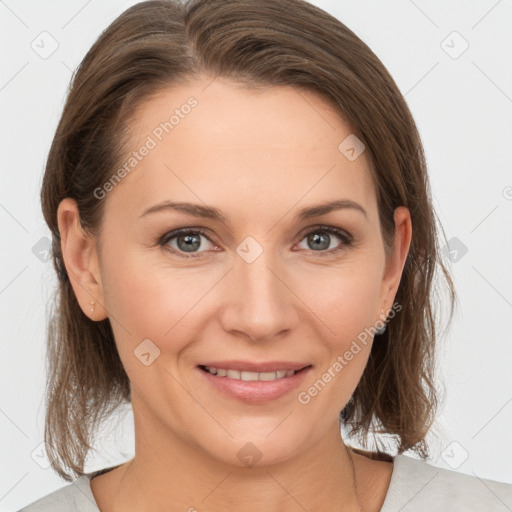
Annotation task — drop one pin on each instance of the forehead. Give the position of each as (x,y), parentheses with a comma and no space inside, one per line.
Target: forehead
(220,143)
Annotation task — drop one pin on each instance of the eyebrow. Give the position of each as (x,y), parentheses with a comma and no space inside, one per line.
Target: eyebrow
(210,212)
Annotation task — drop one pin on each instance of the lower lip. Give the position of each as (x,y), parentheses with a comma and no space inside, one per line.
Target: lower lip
(256,391)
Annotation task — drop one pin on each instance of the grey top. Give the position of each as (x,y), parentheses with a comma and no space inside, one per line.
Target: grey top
(415,486)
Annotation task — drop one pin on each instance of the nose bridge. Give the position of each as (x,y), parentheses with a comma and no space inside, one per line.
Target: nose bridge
(260,305)
(258,279)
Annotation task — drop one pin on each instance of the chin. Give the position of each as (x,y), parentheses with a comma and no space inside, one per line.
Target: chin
(258,450)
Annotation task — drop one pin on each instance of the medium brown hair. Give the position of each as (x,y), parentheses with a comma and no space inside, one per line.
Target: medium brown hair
(257,43)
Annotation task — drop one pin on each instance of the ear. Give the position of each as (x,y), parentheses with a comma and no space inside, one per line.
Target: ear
(396,262)
(81,261)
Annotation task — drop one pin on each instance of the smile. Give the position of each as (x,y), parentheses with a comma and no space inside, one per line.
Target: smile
(252,386)
(249,376)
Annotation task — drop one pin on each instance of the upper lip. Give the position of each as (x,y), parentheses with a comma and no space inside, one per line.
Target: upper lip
(251,366)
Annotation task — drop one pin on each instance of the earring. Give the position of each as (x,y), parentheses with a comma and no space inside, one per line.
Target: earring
(92,306)
(382,330)
(378,332)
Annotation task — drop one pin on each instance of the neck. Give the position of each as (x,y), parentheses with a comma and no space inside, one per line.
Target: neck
(167,473)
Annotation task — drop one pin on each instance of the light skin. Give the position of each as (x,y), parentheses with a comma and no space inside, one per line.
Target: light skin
(259,157)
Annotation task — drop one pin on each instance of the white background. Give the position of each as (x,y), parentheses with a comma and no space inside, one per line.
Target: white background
(463,109)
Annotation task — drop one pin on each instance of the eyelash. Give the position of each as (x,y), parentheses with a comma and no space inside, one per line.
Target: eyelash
(347,240)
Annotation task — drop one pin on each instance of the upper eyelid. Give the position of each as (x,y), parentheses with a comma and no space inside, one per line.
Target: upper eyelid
(326,227)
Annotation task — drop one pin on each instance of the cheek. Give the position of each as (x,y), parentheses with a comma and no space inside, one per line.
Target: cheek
(346,303)
(153,301)
(346,299)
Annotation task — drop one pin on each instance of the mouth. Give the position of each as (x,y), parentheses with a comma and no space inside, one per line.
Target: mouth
(244,382)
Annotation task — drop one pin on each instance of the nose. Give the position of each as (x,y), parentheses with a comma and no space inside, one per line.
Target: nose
(259,301)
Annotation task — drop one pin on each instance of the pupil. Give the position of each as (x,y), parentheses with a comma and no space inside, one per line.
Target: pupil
(190,243)
(318,238)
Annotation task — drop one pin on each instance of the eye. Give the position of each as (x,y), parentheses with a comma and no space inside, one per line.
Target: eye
(319,239)
(187,241)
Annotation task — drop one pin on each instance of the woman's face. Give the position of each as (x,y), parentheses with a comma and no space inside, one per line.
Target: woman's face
(265,289)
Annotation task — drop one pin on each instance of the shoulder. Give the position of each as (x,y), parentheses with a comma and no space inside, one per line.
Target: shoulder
(74,497)
(419,486)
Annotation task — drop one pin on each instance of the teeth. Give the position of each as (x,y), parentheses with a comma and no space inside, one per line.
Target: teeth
(269,375)
(249,376)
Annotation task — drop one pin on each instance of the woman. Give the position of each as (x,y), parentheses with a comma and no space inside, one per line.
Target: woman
(245,245)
